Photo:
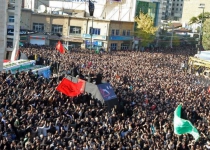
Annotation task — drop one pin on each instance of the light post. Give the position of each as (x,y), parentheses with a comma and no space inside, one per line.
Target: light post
(91,36)
(172,36)
(202,6)
(91,11)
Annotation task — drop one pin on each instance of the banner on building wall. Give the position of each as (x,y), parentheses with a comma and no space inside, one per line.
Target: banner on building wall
(11,32)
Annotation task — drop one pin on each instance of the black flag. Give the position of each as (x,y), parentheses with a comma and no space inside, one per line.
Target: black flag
(91,8)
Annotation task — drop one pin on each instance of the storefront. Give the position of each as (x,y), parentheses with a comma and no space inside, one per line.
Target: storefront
(98,41)
(53,39)
(70,42)
(95,44)
(38,40)
(120,42)
(23,38)
(73,42)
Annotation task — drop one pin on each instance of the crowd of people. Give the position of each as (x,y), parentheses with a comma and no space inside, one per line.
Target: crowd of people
(149,86)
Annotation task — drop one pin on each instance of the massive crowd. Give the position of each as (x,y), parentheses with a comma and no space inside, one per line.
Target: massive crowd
(149,86)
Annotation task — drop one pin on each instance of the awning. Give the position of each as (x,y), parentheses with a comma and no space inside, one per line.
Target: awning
(73,40)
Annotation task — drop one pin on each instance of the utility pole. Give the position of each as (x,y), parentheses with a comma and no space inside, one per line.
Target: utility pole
(91,34)
(91,11)
(202,6)
(172,34)
(157,36)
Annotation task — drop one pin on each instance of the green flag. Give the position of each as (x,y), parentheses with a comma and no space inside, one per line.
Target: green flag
(97,50)
(182,126)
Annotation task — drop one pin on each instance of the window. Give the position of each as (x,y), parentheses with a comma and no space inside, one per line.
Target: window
(75,30)
(124,33)
(57,28)
(113,31)
(124,46)
(11,19)
(172,8)
(180,9)
(177,4)
(8,55)
(176,8)
(128,33)
(10,27)
(95,31)
(180,4)
(113,46)
(38,27)
(9,43)
(117,32)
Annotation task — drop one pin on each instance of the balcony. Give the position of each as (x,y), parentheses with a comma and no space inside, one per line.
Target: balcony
(11,1)
(75,35)
(11,10)
(10,23)
(9,49)
(98,37)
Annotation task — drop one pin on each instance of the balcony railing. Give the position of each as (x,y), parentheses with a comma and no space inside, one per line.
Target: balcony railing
(77,35)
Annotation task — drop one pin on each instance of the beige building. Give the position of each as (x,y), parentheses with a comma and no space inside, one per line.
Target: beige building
(191,9)
(120,35)
(76,31)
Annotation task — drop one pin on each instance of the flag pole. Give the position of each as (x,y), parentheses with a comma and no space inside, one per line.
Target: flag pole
(91,36)
(91,11)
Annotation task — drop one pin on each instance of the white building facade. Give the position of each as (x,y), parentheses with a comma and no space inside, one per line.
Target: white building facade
(118,10)
(166,9)
(177,9)
(10,28)
(3,29)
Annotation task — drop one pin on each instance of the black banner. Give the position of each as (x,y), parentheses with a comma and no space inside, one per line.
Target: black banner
(22,32)
(91,8)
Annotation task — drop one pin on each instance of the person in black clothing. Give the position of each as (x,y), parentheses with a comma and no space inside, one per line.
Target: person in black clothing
(91,76)
(99,77)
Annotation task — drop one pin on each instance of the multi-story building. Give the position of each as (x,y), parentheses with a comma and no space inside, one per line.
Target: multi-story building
(153,8)
(106,12)
(3,29)
(166,9)
(10,28)
(76,31)
(120,10)
(172,9)
(177,9)
(191,9)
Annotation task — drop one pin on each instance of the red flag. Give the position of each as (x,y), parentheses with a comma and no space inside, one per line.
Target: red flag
(17,55)
(69,88)
(60,47)
(81,84)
